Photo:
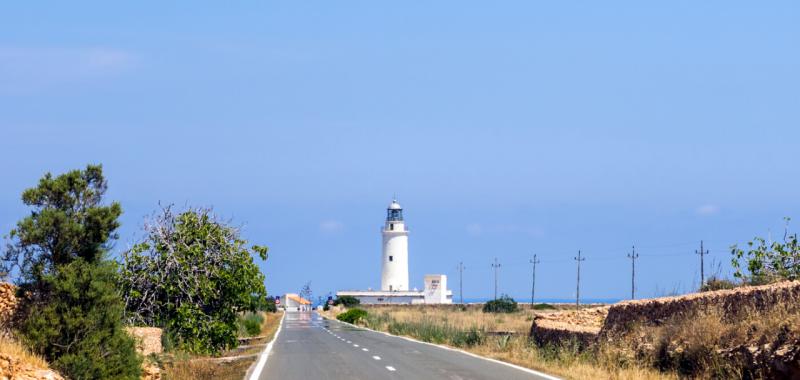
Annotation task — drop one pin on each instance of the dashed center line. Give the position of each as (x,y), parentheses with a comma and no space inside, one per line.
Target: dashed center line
(355,345)
(364,349)
(390,368)
(376,357)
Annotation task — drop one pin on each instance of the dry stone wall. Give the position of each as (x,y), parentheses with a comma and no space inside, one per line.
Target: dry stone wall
(8,303)
(729,303)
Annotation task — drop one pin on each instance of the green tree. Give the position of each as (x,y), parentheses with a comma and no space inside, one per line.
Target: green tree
(764,262)
(192,274)
(70,310)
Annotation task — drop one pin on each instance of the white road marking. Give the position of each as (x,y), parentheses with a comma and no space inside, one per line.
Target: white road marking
(376,357)
(355,345)
(390,368)
(348,342)
(262,360)
(364,349)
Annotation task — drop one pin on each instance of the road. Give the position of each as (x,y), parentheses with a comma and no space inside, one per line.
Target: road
(310,347)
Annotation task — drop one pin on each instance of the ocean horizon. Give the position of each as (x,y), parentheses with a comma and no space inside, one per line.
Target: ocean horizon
(545,300)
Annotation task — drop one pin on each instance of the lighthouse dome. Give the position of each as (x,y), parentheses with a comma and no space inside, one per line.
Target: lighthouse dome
(395,206)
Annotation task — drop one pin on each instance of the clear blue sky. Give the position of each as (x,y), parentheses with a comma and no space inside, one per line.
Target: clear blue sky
(506,129)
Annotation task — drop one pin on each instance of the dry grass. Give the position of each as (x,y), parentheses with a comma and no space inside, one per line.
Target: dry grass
(270,325)
(16,350)
(448,325)
(186,367)
(699,345)
(196,368)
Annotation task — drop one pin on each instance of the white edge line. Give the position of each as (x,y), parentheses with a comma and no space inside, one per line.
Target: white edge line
(262,360)
(528,370)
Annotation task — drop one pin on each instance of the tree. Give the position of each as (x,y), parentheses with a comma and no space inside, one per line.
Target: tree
(69,308)
(191,275)
(765,262)
(306,291)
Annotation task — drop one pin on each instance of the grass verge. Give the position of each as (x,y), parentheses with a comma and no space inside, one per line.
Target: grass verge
(185,367)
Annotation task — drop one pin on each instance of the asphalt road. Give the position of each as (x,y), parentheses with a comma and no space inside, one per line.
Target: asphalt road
(310,347)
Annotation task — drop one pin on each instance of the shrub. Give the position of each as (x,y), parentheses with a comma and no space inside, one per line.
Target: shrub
(192,275)
(269,305)
(352,316)
(346,301)
(250,324)
(543,306)
(716,283)
(768,262)
(80,330)
(504,304)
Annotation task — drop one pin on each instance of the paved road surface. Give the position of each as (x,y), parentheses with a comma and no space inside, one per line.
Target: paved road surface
(310,347)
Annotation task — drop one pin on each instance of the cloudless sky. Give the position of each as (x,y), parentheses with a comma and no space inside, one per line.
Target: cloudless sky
(506,129)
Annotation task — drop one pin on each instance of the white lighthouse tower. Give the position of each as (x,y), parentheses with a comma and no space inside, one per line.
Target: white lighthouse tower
(394,270)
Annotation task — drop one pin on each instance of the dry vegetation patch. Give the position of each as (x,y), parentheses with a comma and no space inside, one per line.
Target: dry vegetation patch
(231,365)
(17,362)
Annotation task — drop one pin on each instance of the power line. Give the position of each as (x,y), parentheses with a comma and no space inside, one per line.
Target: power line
(461,268)
(578,288)
(534,261)
(495,266)
(633,256)
(702,266)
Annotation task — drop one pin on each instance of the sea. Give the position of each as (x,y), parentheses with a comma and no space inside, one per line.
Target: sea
(544,300)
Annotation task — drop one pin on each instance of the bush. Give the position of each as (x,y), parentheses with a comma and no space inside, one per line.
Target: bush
(504,304)
(346,301)
(250,324)
(543,306)
(80,330)
(715,283)
(269,305)
(192,275)
(763,262)
(352,316)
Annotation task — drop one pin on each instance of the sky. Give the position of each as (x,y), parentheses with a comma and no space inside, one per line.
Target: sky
(505,129)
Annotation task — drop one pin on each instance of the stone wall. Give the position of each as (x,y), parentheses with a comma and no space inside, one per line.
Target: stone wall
(568,327)
(728,303)
(8,303)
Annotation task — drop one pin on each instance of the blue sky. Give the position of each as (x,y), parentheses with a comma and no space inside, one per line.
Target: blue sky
(505,129)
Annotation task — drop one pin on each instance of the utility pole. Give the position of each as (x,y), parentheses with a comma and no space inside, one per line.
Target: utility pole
(496,266)
(534,261)
(578,290)
(702,253)
(461,268)
(633,256)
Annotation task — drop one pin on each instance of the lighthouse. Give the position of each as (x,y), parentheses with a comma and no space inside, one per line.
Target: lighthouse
(394,268)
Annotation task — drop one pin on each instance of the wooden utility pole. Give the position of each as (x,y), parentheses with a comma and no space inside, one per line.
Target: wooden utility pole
(461,268)
(578,289)
(633,256)
(702,266)
(496,266)
(534,261)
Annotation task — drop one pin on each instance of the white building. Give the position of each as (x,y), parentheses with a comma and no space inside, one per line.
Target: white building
(293,302)
(394,270)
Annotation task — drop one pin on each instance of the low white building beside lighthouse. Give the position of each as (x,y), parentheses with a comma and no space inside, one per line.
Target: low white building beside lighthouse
(394,270)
